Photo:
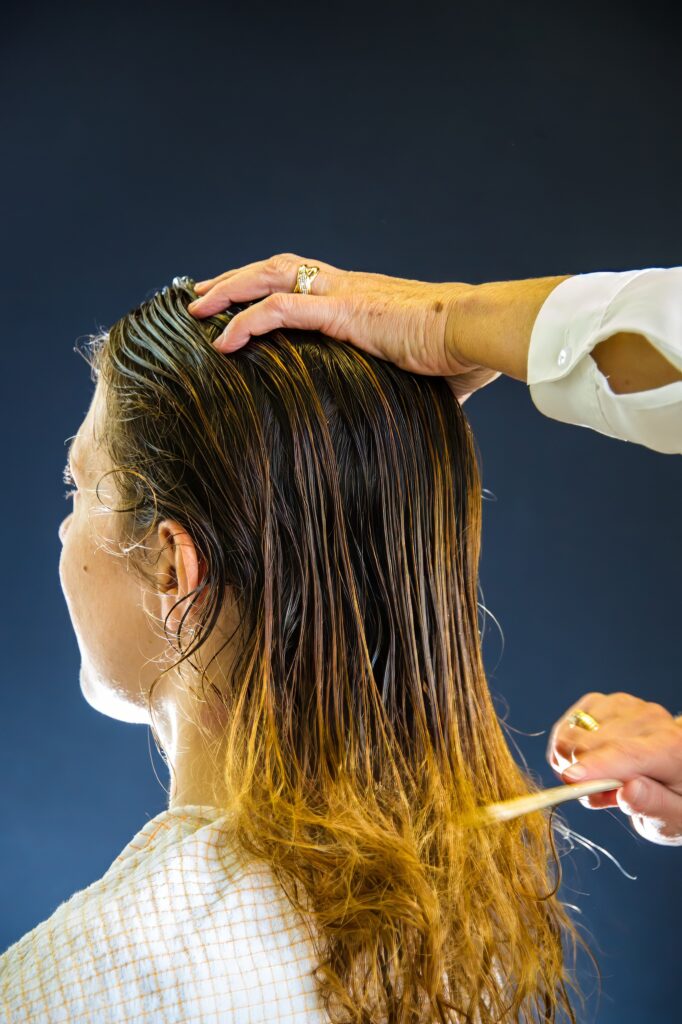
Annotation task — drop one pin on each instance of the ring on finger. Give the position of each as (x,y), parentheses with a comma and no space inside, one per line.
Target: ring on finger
(305,276)
(583,720)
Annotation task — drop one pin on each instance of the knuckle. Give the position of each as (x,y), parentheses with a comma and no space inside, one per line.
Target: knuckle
(657,710)
(624,698)
(281,262)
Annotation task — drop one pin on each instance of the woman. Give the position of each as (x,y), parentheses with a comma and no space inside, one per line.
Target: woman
(272,559)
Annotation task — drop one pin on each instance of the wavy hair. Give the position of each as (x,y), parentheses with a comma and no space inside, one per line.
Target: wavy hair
(337,499)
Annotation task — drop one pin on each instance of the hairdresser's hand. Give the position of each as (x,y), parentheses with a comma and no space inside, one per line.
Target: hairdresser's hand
(413,324)
(638,742)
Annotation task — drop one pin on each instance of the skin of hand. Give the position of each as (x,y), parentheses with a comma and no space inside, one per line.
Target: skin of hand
(410,323)
(637,741)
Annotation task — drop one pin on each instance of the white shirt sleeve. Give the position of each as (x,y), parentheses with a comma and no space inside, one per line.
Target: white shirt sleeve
(565,382)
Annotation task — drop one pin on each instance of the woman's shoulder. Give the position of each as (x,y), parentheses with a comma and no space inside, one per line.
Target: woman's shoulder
(179,908)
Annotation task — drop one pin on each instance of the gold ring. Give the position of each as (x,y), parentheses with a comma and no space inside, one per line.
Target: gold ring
(305,276)
(583,720)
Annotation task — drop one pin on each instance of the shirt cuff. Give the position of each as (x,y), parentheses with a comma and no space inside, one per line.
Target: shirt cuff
(565,382)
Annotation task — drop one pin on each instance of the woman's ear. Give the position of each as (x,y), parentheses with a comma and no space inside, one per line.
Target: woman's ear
(179,571)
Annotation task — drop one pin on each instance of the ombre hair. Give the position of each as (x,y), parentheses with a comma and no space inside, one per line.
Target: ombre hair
(336,500)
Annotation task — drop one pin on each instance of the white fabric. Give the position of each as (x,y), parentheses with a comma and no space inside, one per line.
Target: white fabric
(564,380)
(179,929)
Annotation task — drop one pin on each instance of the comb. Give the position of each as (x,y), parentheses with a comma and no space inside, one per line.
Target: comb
(514,808)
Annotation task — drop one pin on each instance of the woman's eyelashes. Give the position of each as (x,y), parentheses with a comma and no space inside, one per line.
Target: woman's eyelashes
(67,477)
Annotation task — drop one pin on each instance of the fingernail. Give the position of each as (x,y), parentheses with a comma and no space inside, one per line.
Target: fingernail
(636,791)
(575,772)
(200,284)
(194,303)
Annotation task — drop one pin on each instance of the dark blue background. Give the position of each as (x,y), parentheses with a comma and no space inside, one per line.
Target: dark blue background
(435,142)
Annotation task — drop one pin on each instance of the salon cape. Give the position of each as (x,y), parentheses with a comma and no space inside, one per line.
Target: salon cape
(564,380)
(180,928)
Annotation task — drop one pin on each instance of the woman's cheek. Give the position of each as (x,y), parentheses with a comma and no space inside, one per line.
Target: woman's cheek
(65,562)
(76,564)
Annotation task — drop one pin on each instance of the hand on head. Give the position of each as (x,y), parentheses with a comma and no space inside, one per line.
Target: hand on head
(410,323)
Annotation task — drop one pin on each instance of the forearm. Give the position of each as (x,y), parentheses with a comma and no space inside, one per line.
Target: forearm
(494,322)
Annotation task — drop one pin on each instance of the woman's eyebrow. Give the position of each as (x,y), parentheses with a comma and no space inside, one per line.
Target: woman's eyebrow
(71,462)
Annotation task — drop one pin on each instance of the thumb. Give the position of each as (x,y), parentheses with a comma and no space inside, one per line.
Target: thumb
(656,811)
(463,385)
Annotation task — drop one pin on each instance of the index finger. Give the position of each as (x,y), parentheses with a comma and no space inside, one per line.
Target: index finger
(209,282)
(658,756)
(277,273)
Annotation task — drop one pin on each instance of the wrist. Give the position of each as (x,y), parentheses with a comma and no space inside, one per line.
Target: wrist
(491,324)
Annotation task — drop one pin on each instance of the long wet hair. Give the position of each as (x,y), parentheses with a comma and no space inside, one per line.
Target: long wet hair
(336,498)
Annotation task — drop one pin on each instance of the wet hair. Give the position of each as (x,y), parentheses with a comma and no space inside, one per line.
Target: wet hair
(336,500)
